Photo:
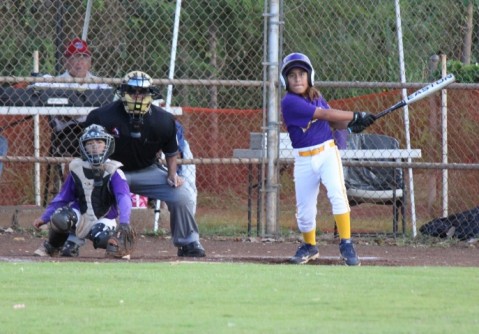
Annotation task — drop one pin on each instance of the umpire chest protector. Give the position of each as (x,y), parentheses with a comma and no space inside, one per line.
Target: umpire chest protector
(95,200)
(157,133)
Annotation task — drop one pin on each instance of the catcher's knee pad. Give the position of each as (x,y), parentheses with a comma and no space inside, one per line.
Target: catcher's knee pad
(99,234)
(63,219)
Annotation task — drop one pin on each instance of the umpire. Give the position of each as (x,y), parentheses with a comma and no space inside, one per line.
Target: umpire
(141,130)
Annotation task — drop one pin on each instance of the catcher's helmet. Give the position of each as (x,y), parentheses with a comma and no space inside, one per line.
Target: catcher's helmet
(296,60)
(136,92)
(96,132)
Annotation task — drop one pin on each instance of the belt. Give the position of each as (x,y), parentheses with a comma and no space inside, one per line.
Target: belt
(316,150)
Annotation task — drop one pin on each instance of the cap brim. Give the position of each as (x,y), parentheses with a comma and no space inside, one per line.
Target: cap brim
(68,55)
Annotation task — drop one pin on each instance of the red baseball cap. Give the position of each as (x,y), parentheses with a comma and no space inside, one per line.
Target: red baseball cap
(77,46)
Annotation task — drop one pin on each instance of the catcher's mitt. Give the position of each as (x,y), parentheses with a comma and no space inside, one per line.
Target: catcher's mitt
(120,244)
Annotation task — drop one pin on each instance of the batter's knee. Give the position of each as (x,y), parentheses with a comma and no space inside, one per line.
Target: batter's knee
(306,222)
(339,201)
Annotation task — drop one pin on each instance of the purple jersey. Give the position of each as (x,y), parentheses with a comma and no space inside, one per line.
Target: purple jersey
(67,197)
(304,131)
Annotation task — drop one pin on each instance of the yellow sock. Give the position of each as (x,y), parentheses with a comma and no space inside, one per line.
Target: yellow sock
(310,237)
(343,222)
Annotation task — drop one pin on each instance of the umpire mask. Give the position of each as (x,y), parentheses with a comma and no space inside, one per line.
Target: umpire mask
(136,94)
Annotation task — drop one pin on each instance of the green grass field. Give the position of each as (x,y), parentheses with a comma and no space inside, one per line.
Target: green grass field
(79,297)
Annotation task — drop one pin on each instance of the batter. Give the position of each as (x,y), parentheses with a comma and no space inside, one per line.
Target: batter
(309,120)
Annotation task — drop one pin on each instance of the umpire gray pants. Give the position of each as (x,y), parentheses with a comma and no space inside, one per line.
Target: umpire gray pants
(151,182)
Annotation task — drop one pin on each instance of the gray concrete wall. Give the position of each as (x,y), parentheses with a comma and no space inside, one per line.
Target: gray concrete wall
(22,216)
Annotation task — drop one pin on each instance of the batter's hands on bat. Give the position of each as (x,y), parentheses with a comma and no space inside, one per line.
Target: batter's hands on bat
(361,120)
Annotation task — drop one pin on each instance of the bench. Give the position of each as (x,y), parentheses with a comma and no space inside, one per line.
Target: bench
(257,150)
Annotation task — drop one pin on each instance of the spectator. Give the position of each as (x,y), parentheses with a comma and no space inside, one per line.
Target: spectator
(141,130)
(93,195)
(66,129)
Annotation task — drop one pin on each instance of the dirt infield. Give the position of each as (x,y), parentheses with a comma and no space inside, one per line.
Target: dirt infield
(19,246)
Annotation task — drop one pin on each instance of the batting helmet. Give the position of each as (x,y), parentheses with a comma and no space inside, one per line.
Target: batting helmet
(136,92)
(296,60)
(96,132)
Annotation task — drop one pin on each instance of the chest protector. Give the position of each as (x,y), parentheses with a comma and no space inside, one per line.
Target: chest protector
(95,198)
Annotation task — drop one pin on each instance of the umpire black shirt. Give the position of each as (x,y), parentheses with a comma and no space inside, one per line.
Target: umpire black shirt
(158,133)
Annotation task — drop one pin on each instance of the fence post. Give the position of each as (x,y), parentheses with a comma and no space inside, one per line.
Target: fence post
(272,122)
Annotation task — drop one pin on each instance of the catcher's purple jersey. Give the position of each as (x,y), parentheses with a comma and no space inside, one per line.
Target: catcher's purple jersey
(304,131)
(68,196)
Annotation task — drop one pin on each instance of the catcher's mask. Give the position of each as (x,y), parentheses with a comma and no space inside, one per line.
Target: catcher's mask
(136,92)
(296,60)
(95,157)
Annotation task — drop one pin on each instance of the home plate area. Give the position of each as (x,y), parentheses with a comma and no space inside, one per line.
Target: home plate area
(20,246)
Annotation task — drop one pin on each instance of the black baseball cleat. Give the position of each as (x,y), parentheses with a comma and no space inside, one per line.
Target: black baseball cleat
(70,249)
(50,250)
(193,249)
(304,254)
(348,253)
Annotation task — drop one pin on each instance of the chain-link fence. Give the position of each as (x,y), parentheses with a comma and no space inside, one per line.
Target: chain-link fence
(208,60)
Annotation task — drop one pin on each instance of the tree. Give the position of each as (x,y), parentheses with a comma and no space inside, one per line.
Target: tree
(467,47)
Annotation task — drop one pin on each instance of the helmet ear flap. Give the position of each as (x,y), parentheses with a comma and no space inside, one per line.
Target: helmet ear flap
(284,81)
(311,78)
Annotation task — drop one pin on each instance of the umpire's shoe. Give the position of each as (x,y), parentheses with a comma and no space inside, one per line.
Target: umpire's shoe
(304,254)
(193,249)
(348,253)
(70,249)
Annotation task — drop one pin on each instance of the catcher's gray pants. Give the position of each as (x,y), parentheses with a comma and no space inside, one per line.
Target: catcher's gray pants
(151,182)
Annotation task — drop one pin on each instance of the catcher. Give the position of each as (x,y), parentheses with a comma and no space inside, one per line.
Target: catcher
(93,195)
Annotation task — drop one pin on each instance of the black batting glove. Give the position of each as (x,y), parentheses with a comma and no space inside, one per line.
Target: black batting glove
(368,118)
(361,120)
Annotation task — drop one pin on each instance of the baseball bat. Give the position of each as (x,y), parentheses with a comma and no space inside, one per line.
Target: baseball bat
(419,94)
